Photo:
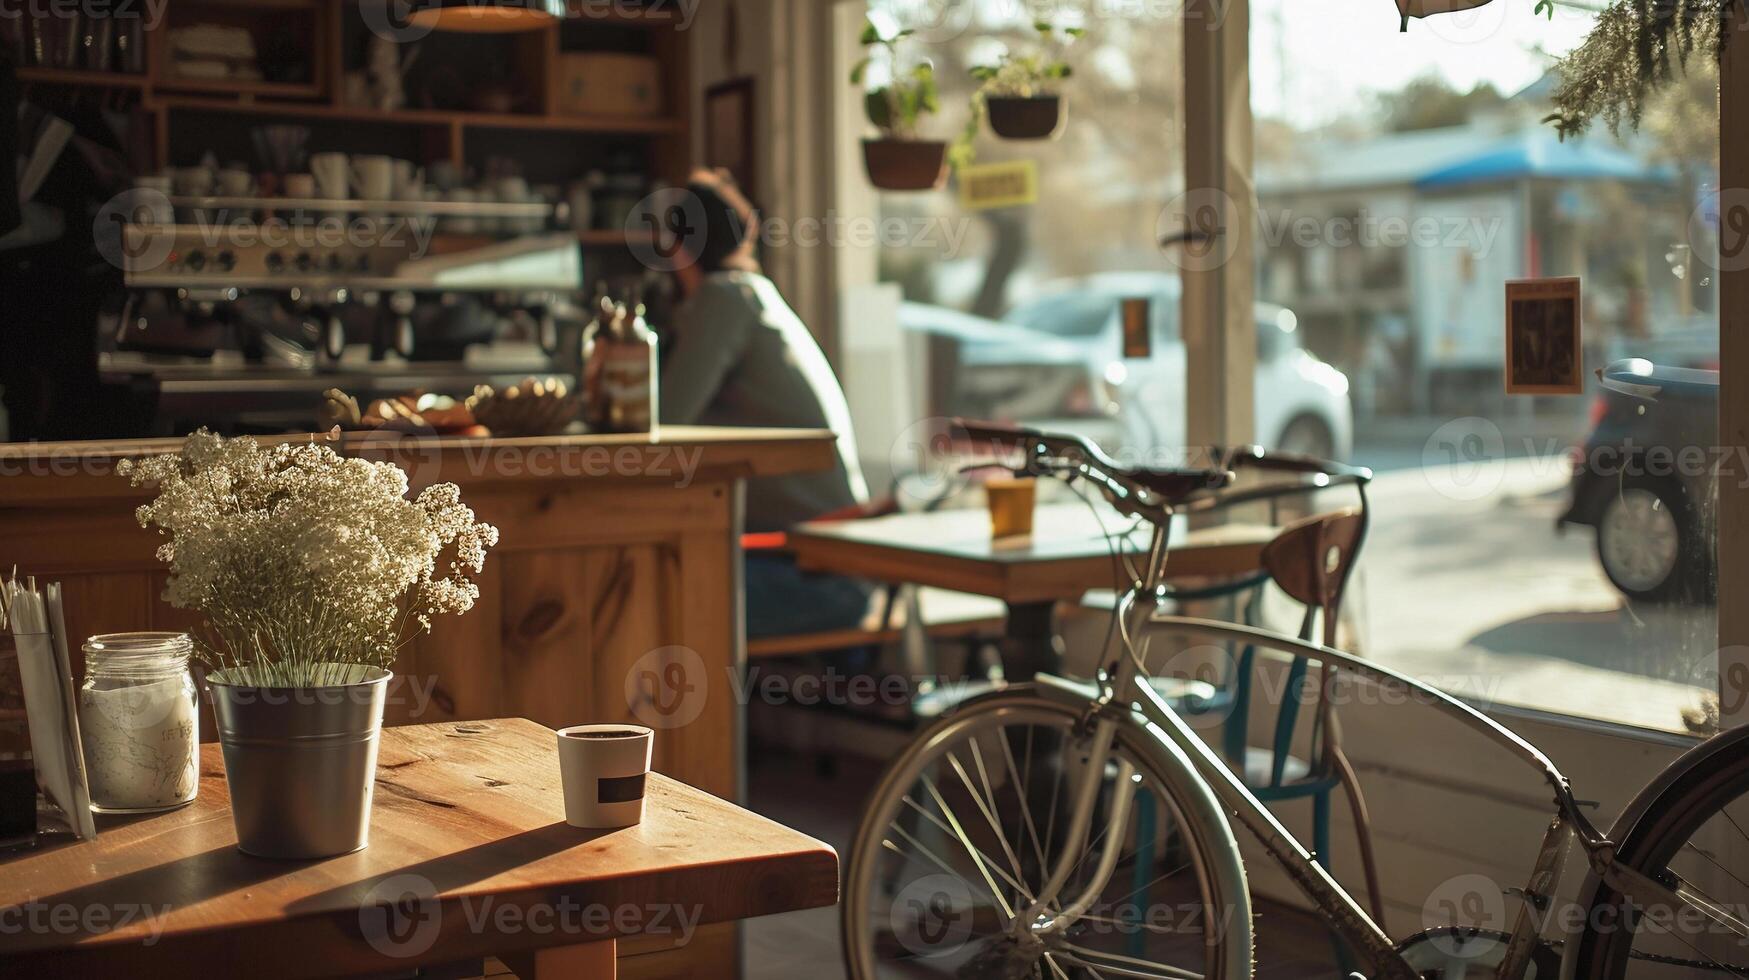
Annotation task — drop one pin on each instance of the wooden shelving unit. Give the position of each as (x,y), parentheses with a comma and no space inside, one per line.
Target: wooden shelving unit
(462,137)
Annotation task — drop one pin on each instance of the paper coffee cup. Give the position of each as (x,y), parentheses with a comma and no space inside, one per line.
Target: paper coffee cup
(604,769)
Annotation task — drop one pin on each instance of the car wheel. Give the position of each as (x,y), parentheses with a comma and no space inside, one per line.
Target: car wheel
(1307,435)
(1647,541)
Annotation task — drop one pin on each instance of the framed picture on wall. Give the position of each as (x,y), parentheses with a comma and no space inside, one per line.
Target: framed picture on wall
(728,130)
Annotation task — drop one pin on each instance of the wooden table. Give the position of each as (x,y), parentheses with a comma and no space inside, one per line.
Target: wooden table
(616,552)
(1066,555)
(470,856)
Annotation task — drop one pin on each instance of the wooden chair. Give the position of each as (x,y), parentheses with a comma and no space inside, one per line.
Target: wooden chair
(1311,561)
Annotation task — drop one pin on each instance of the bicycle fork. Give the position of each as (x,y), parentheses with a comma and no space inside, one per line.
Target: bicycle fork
(1080,824)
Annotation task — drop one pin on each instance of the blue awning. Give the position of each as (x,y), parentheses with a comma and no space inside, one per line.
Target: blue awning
(1540,153)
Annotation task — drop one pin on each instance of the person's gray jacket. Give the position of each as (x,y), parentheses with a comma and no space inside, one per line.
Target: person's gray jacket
(741,357)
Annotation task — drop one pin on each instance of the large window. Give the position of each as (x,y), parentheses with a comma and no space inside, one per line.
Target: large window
(1554,552)
(1019,306)
(1549,551)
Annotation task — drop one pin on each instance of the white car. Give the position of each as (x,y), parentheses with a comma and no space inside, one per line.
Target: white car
(1057,361)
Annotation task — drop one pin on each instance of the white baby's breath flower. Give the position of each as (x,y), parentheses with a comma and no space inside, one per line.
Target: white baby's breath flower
(297,556)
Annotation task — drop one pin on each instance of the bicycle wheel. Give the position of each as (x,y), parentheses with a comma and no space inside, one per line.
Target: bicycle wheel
(1697,826)
(965,824)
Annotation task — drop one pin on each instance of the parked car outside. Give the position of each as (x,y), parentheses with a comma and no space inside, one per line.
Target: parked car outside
(1057,361)
(1643,480)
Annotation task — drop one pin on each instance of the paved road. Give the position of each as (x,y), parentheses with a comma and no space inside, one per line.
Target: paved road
(1465,581)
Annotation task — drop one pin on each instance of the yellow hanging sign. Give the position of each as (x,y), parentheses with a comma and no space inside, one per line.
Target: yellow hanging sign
(1010,184)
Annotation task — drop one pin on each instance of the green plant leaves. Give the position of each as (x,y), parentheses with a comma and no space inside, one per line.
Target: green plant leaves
(877,104)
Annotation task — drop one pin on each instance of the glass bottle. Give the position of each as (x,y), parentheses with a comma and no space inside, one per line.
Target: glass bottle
(139,722)
(619,370)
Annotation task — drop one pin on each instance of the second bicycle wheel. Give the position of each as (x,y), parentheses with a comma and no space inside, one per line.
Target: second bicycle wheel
(964,826)
(1696,827)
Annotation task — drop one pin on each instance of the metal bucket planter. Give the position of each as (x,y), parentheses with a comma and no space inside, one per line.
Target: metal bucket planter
(1025,118)
(301,761)
(905,165)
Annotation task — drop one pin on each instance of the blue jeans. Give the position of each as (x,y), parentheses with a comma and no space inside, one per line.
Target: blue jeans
(782,599)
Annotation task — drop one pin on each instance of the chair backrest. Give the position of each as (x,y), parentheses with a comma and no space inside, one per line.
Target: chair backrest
(1310,560)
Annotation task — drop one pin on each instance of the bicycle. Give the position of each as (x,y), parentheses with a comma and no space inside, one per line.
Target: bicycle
(1013,892)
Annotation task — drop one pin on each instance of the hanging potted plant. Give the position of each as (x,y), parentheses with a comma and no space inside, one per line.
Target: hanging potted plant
(1019,93)
(898,160)
(310,571)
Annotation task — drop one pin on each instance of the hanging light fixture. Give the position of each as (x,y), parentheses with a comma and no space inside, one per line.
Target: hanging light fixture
(486,16)
(1426,8)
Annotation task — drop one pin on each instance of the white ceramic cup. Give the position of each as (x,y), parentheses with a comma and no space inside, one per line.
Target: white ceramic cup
(409,181)
(373,177)
(333,174)
(446,175)
(192,181)
(236,183)
(604,769)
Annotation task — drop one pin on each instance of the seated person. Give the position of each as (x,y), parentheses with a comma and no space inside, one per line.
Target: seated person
(741,357)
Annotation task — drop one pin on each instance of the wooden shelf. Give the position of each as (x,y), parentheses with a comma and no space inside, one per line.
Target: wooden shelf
(427,117)
(76,76)
(245,88)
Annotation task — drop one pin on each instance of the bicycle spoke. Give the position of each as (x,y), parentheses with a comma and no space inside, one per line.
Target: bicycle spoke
(1020,788)
(1121,898)
(989,815)
(1127,966)
(932,818)
(1690,845)
(1051,823)
(926,852)
(925,811)
(1732,970)
(1126,923)
(959,831)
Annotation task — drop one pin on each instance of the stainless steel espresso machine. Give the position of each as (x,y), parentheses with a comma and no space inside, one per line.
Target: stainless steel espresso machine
(240,312)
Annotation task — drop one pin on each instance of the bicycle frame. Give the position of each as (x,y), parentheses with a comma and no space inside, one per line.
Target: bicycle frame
(1124,698)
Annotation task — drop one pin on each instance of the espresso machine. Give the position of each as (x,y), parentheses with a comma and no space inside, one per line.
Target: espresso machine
(240,315)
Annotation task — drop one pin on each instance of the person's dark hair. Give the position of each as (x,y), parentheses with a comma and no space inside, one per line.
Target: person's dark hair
(730,223)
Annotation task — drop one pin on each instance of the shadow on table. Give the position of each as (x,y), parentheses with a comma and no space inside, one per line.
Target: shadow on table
(179,883)
(451,871)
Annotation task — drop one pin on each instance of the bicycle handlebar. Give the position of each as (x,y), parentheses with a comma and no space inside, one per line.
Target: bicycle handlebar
(1140,489)
(1161,490)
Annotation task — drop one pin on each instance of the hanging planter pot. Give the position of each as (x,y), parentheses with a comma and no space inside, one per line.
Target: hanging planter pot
(905,165)
(1015,117)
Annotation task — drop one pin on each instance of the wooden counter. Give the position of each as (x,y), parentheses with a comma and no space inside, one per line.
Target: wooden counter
(614,593)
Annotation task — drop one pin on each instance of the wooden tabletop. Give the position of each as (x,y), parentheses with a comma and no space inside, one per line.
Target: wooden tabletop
(1066,555)
(470,856)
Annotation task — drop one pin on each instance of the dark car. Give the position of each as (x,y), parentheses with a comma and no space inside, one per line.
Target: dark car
(1644,480)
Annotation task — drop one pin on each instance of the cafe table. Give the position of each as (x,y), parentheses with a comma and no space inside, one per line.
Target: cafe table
(1067,554)
(470,857)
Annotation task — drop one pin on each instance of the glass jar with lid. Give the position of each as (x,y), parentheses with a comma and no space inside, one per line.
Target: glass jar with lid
(139,722)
